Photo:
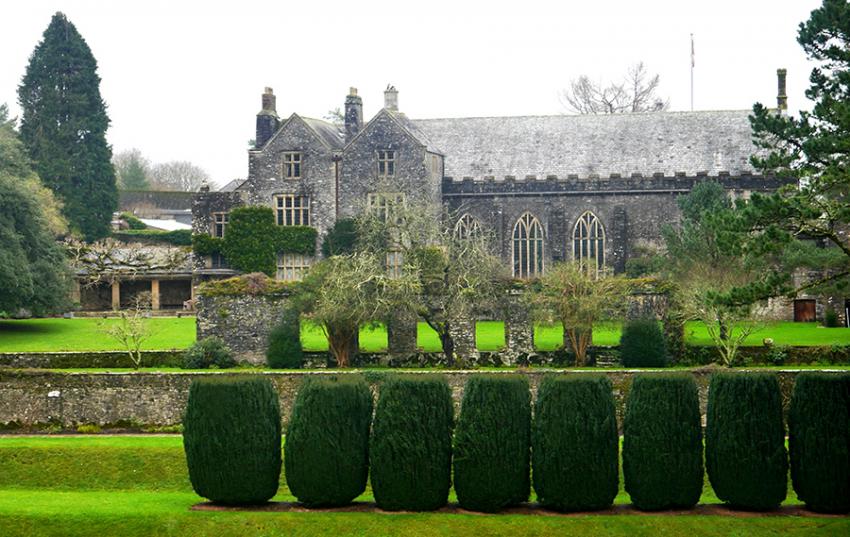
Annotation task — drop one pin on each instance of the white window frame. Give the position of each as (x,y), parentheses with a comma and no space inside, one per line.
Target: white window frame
(386,162)
(219,221)
(293,267)
(589,240)
(467,227)
(527,244)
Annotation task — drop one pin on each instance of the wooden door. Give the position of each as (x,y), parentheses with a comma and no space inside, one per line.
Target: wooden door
(804,311)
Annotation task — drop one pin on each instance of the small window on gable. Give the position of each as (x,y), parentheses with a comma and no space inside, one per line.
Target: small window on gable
(219,224)
(291,165)
(386,163)
(292,210)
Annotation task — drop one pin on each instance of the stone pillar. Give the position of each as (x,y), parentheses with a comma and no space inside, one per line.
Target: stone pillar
(519,329)
(116,295)
(154,294)
(401,334)
(463,334)
(76,293)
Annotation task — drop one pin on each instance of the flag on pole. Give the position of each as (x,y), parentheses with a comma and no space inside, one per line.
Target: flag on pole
(693,63)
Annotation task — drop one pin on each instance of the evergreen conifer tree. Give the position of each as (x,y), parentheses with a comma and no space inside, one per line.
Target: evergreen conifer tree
(64,126)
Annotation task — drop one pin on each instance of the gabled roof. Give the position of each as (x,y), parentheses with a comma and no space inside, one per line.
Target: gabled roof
(326,132)
(405,124)
(232,185)
(665,142)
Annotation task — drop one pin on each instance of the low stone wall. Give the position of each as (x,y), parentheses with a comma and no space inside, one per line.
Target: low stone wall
(29,398)
(243,322)
(93,359)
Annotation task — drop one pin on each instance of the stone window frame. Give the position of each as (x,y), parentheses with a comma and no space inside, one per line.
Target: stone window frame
(394,263)
(290,164)
(527,244)
(292,267)
(219,223)
(386,160)
(589,240)
(294,214)
(380,204)
(467,227)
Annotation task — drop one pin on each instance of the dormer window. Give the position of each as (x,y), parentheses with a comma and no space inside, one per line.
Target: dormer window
(291,165)
(386,163)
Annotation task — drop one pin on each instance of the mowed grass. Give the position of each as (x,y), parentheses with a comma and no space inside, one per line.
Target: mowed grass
(88,334)
(138,486)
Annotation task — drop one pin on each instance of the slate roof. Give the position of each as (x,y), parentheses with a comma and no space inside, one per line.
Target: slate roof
(232,185)
(414,129)
(328,131)
(660,142)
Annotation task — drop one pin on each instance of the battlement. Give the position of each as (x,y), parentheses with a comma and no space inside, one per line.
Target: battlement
(614,183)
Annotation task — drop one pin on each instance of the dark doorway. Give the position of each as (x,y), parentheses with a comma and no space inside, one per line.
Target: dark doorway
(804,311)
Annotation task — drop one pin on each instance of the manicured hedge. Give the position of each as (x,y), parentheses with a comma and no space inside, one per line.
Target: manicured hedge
(819,441)
(642,344)
(662,442)
(492,443)
(327,441)
(575,443)
(410,452)
(285,350)
(745,440)
(231,435)
(178,237)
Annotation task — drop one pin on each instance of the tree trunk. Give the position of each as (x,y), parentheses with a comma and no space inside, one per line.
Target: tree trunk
(341,343)
(448,344)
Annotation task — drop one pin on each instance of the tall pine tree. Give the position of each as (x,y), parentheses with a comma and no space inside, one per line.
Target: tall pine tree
(64,128)
(814,147)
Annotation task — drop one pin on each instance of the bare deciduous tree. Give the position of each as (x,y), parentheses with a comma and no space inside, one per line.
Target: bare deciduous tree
(178,175)
(131,329)
(636,93)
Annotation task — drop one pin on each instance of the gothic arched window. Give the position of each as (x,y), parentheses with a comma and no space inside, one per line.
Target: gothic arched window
(527,247)
(467,227)
(589,240)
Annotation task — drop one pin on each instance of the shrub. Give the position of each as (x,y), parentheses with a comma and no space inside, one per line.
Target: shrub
(410,451)
(662,442)
(210,352)
(819,441)
(177,237)
(231,435)
(133,222)
(745,440)
(574,443)
(642,344)
(341,238)
(830,318)
(492,443)
(327,442)
(284,350)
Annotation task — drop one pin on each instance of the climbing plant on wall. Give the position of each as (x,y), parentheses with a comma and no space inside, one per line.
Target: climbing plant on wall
(253,240)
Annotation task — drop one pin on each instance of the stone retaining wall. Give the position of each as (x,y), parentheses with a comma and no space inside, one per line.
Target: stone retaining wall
(29,398)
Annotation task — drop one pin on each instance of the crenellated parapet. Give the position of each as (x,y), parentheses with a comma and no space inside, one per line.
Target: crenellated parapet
(615,183)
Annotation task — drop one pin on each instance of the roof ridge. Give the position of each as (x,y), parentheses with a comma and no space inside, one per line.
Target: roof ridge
(630,114)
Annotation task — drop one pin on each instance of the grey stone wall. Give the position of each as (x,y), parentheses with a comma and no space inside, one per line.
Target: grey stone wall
(318,175)
(243,322)
(30,397)
(633,210)
(418,173)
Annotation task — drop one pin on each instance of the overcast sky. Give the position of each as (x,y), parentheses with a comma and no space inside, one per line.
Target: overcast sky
(182,79)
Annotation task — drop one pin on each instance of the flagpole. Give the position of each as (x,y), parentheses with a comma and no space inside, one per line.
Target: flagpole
(692,72)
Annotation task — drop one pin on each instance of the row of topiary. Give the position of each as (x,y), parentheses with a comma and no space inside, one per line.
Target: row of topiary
(568,450)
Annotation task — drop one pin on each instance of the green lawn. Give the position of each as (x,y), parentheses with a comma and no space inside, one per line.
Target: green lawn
(86,334)
(129,486)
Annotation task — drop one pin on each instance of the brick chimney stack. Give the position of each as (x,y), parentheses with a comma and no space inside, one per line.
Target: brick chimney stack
(267,120)
(391,98)
(353,114)
(781,95)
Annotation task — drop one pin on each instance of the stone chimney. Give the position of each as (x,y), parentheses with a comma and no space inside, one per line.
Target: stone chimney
(391,98)
(781,95)
(267,120)
(353,114)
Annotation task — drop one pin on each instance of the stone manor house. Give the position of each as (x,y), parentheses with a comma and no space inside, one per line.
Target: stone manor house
(547,188)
